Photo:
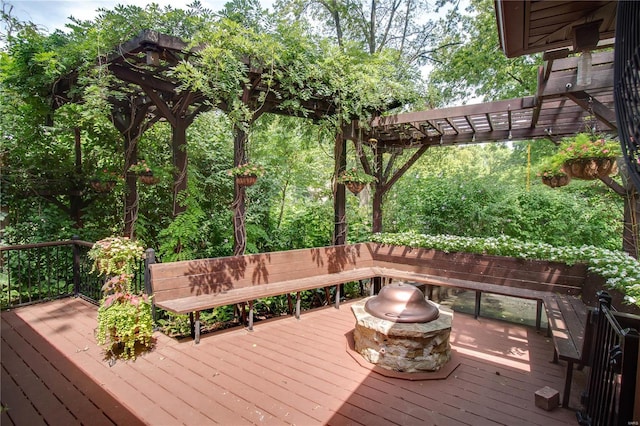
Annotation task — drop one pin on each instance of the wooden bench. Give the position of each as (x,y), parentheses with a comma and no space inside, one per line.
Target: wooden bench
(189,287)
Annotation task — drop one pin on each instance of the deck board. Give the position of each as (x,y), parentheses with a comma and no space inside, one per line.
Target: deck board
(286,371)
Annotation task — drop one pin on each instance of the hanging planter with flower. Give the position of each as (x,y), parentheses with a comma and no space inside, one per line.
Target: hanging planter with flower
(104,180)
(246,174)
(553,174)
(145,172)
(355,180)
(589,157)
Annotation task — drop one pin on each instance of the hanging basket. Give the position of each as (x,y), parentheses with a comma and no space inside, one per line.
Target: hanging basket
(590,168)
(246,180)
(355,187)
(102,185)
(556,181)
(148,178)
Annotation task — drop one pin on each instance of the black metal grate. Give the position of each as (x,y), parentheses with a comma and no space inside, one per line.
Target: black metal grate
(627,84)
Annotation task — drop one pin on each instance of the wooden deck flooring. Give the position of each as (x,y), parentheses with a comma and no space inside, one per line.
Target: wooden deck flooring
(285,372)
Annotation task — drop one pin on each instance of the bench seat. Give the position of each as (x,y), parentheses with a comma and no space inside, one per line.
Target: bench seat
(200,302)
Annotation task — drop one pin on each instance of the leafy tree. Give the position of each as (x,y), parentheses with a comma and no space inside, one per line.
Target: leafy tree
(451,192)
(472,65)
(397,25)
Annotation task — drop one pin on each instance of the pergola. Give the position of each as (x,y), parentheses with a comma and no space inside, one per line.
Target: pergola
(148,92)
(565,102)
(570,90)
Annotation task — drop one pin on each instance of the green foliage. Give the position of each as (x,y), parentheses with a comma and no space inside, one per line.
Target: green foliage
(124,324)
(247,169)
(584,146)
(116,255)
(142,166)
(295,69)
(551,167)
(621,271)
(481,191)
(355,175)
(471,65)
(124,318)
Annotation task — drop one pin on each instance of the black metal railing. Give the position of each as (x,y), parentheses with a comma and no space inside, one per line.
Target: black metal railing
(39,272)
(611,390)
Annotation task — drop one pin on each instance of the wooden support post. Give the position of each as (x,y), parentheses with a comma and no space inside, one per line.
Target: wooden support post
(298,305)
(566,393)
(337,305)
(250,327)
(194,322)
(197,328)
(289,304)
(476,313)
(538,314)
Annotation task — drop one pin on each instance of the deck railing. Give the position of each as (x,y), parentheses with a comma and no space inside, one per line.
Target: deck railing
(38,272)
(611,390)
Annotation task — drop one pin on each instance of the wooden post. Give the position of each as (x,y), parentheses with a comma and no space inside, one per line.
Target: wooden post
(179,146)
(239,203)
(339,199)
(149,259)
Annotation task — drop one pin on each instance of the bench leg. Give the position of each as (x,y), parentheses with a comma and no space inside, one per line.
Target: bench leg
(250,327)
(538,314)
(477,310)
(298,305)
(195,326)
(289,304)
(338,296)
(567,384)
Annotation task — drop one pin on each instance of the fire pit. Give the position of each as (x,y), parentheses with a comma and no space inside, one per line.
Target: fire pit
(402,331)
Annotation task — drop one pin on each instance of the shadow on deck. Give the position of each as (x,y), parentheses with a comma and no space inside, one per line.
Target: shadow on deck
(285,372)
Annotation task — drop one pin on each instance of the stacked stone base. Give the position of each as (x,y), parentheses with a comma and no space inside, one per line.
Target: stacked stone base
(403,347)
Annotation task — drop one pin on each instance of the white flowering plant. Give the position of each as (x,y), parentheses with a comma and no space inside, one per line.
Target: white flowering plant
(621,271)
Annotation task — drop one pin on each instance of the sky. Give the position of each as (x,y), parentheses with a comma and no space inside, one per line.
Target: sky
(52,14)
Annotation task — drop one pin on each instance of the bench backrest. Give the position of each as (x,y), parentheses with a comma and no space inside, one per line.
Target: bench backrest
(205,276)
(506,271)
(208,276)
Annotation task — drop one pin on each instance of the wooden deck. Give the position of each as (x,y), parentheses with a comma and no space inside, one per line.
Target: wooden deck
(285,372)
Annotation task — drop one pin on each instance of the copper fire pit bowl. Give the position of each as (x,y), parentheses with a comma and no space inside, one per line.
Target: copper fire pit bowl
(401,302)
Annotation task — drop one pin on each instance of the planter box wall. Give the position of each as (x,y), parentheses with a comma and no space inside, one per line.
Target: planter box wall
(508,271)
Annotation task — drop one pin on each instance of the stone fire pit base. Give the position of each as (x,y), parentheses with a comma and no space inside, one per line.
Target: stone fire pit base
(402,347)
